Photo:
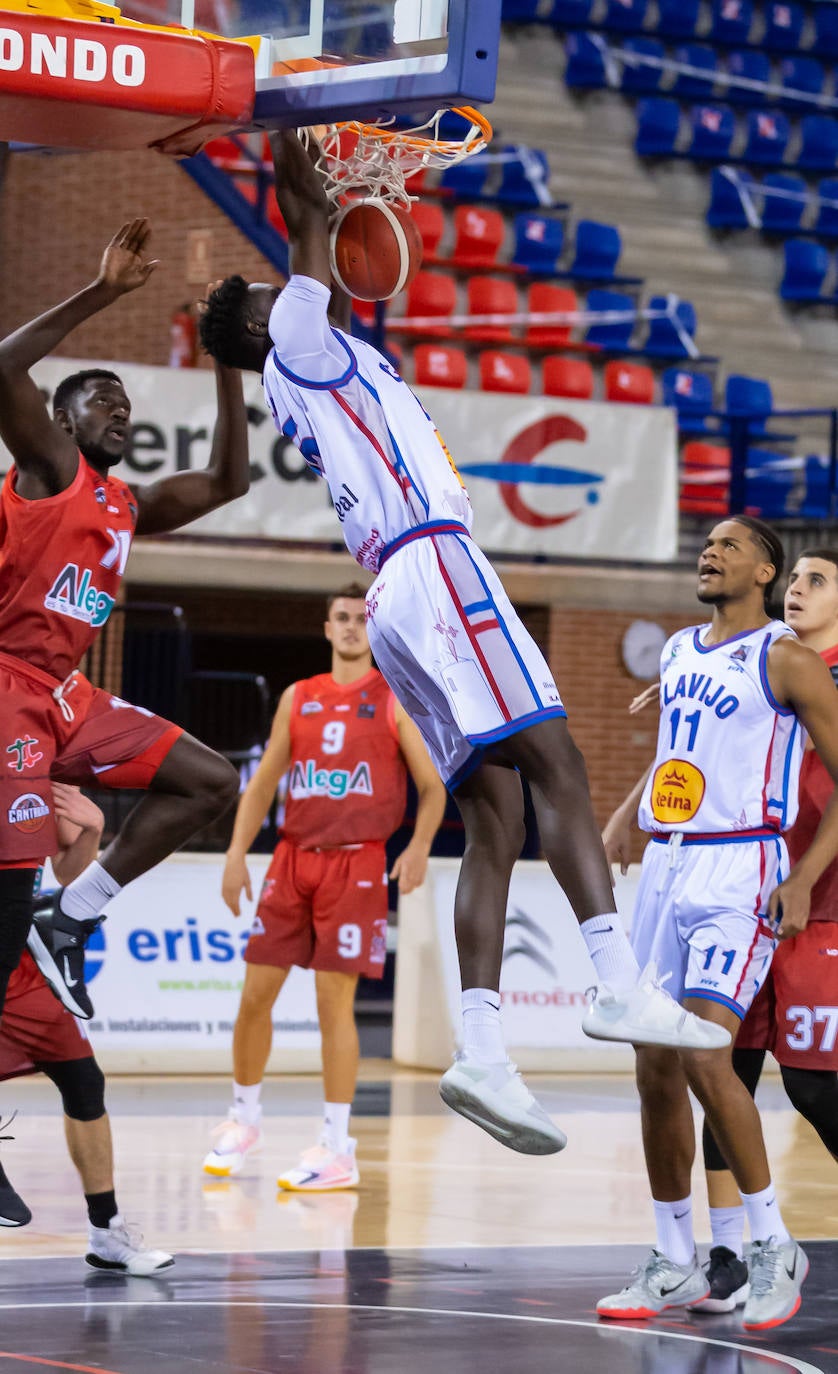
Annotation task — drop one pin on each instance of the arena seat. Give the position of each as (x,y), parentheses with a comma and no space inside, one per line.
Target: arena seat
(705,479)
(663,339)
(642,79)
(519,11)
(801,77)
(769,484)
(625,16)
(826,28)
(545,299)
(767,137)
(478,235)
(783,26)
(429,294)
(750,396)
(731,21)
(677,18)
(524,172)
(658,122)
(713,129)
(570,13)
(691,394)
(585,65)
(490,296)
(571,377)
(826,223)
(631,383)
(510,372)
(596,251)
(747,65)
(437,365)
(816,501)
(429,219)
(698,85)
(726,210)
(779,214)
(466,180)
(818,144)
(805,269)
(610,335)
(539,240)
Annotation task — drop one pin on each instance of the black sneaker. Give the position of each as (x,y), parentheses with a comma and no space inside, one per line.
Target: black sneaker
(56,943)
(13,1209)
(729,1287)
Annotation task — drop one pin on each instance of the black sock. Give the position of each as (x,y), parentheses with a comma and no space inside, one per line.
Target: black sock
(100,1208)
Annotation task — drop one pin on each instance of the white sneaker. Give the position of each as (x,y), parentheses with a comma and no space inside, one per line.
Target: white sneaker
(777,1273)
(496,1097)
(115,1247)
(322,1170)
(233,1140)
(656,1284)
(647,1015)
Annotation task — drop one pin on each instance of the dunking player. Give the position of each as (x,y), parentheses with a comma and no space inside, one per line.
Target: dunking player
(66,527)
(714,896)
(795,1013)
(38,1035)
(449,643)
(346,742)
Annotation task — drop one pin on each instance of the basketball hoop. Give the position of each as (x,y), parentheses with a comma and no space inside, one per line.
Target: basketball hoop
(375,160)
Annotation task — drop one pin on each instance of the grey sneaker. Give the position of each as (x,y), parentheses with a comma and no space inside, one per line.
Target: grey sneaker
(496,1097)
(654,1286)
(647,1015)
(118,1247)
(728,1279)
(778,1272)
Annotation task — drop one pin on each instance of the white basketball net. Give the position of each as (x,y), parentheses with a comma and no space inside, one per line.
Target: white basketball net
(375,160)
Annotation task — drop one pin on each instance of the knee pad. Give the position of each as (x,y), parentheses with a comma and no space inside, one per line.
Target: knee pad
(82,1087)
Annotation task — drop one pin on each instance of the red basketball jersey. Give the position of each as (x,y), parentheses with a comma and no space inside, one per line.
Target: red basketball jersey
(61,563)
(347,775)
(815,790)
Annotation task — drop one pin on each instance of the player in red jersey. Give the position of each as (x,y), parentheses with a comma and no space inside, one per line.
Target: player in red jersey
(38,1035)
(347,744)
(66,527)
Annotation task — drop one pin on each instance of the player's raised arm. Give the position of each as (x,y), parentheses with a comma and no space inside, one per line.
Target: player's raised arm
(45,455)
(255,803)
(302,199)
(411,865)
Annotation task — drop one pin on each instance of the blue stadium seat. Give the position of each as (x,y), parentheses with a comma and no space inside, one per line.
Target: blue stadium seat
(538,242)
(585,69)
(569,14)
(713,127)
(658,120)
(695,87)
(641,79)
(612,337)
(783,26)
(749,396)
(625,16)
(826,223)
(726,210)
(519,11)
(677,18)
(806,265)
(747,66)
(596,252)
(691,393)
(816,503)
(804,75)
(523,175)
(663,339)
(780,215)
(768,486)
(826,29)
(818,144)
(466,179)
(767,137)
(731,22)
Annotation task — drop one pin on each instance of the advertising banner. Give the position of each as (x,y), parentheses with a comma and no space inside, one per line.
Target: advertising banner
(545,475)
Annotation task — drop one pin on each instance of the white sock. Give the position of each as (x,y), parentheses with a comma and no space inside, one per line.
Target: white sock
(482,1033)
(611,954)
(674,1223)
(764,1218)
(246,1103)
(727,1227)
(88,894)
(336,1125)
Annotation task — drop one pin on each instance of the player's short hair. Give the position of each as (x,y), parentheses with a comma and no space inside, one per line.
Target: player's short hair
(828,556)
(769,541)
(67,390)
(353,591)
(223,327)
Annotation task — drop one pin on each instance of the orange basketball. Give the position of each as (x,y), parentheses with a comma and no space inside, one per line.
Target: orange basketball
(376,249)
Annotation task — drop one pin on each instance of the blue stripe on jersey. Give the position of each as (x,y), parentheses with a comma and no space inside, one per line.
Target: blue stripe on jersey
(708,648)
(786,771)
(719,997)
(512,727)
(766,686)
(347,376)
(400,464)
(723,836)
(420,532)
(501,623)
(477,606)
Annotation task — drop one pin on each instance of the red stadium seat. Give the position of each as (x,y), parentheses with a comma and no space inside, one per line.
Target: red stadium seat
(509,372)
(436,365)
(572,377)
(630,382)
(429,294)
(705,479)
(479,234)
(491,296)
(544,299)
(430,221)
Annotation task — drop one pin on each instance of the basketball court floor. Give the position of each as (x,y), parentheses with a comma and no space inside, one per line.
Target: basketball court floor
(454,1254)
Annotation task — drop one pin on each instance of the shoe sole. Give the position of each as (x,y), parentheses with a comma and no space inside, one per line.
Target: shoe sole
(779,1321)
(52,974)
(117,1267)
(16,1221)
(527,1140)
(310,1188)
(729,1304)
(639,1313)
(639,1036)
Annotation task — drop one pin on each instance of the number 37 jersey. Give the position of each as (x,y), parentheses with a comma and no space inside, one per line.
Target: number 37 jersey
(728,756)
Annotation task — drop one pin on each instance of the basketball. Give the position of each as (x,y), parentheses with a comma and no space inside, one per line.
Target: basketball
(376,250)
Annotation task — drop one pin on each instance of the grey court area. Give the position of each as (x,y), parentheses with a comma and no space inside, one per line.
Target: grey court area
(370,1311)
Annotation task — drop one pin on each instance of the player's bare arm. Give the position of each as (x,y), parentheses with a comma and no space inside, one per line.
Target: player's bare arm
(301,197)
(412,864)
(616,835)
(80,826)
(45,455)
(800,679)
(255,803)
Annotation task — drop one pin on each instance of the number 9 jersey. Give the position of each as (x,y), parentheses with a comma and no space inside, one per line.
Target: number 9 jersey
(728,756)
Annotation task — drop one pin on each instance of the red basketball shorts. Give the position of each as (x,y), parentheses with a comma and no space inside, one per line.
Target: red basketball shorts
(35,1029)
(796,1013)
(72,732)
(324,909)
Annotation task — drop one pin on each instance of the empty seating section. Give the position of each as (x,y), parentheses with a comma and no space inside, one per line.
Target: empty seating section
(478,235)
(439,365)
(490,296)
(572,377)
(629,382)
(508,372)
(538,242)
(691,394)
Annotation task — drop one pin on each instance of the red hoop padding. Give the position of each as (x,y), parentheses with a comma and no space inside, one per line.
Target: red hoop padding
(68,83)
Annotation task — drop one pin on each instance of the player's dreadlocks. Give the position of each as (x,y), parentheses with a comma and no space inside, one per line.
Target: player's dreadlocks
(223,327)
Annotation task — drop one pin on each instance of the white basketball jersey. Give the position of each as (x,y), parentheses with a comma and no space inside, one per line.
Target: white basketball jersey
(728,754)
(358,425)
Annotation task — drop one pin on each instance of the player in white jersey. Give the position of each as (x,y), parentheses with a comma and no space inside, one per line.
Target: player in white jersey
(715,894)
(446,638)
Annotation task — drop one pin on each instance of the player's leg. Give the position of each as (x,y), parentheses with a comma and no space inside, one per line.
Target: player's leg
(88,1132)
(16,903)
(814,1093)
(806,1046)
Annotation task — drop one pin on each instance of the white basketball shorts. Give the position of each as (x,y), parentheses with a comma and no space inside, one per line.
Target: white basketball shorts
(701,914)
(447,639)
